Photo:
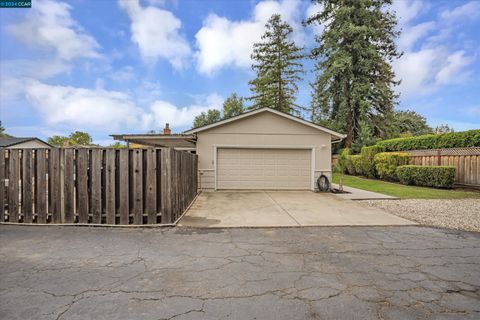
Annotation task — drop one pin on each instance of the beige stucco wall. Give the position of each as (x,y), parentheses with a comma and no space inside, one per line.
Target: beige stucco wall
(263,129)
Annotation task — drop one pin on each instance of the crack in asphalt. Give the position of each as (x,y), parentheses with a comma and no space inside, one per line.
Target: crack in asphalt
(308,273)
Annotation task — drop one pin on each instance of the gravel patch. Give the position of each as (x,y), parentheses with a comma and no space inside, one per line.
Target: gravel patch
(462,214)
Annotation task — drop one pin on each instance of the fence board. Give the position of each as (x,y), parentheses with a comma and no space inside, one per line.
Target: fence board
(82,185)
(55,182)
(27,185)
(166,186)
(69,185)
(13,185)
(151,186)
(41,185)
(137,186)
(96,185)
(110,185)
(123,186)
(2,184)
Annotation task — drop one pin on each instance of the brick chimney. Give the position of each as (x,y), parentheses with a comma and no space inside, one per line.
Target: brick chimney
(166,130)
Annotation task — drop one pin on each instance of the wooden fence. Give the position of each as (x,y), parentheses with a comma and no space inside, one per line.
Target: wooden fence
(465,160)
(96,185)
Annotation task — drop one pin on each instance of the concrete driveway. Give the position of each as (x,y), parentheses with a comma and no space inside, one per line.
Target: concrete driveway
(282,209)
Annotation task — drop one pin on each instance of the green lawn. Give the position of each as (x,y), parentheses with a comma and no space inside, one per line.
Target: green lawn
(403,191)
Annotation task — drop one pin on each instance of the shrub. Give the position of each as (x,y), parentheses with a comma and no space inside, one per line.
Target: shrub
(428,176)
(366,162)
(387,162)
(356,164)
(349,166)
(463,139)
(342,161)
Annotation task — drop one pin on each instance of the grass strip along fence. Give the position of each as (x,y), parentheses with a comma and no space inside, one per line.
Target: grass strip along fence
(96,185)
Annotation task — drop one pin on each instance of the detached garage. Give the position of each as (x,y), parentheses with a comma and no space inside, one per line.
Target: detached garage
(263,149)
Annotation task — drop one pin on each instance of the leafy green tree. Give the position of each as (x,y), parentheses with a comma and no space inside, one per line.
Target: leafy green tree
(408,123)
(354,77)
(278,68)
(80,138)
(233,106)
(365,137)
(443,128)
(117,145)
(2,131)
(205,118)
(57,141)
(74,139)
(341,166)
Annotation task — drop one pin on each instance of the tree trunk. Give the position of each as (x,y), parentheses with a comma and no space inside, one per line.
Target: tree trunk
(350,116)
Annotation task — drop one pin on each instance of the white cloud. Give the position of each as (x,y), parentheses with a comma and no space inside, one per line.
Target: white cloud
(81,107)
(411,35)
(49,26)
(470,10)
(312,9)
(436,62)
(222,42)
(109,111)
(406,11)
(415,71)
(452,69)
(427,70)
(157,33)
(124,74)
(162,112)
(15,72)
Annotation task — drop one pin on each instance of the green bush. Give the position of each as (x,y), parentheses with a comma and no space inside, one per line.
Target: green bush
(428,176)
(356,164)
(387,162)
(366,162)
(463,139)
(353,165)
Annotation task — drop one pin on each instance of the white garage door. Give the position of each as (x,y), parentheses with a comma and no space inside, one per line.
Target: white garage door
(264,169)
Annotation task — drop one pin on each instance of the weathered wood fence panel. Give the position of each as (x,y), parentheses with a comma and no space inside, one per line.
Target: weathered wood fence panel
(465,160)
(96,186)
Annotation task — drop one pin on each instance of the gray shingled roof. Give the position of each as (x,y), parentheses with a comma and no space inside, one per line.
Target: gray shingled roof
(11,141)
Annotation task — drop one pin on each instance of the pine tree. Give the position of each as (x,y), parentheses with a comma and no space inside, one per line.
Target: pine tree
(278,67)
(354,78)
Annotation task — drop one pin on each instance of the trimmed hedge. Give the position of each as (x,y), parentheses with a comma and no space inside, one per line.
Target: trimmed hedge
(366,162)
(353,165)
(387,162)
(463,139)
(428,176)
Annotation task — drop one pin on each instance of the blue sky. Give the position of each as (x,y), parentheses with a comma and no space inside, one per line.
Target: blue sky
(129,66)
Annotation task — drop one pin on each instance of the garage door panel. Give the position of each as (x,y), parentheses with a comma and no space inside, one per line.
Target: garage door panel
(263,168)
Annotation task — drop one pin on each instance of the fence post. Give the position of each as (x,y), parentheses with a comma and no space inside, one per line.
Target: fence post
(166,185)
(27,195)
(61,186)
(13,184)
(2,185)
